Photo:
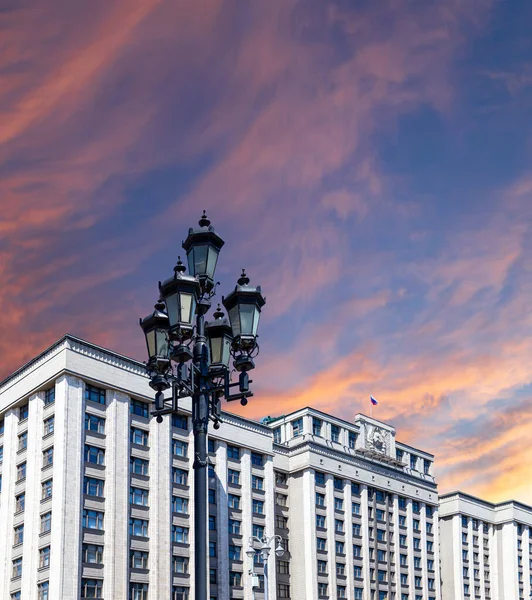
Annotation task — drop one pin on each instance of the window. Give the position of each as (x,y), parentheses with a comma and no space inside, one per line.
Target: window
(319,478)
(138,527)
(338,504)
(283,590)
(138,466)
(22,441)
(415,524)
(49,396)
(2,425)
(426,466)
(320,499)
(280,478)
(355,488)
(48,457)
(212,523)
(46,522)
(93,486)
(234,527)
(322,590)
(465,521)
(19,534)
(417,543)
(352,440)
(92,519)
(235,579)
(44,557)
(316,426)
(94,394)
(340,569)
(235,552)
(416,507)
(257,483)
(180,421)
(17,568)
(21,471)
(49,425)
(381,575)
(179,476)
(139,436)
(257,459)
(213,576)
(339,546)
(258,507)
(91,588)
(20,502)
(138,591)
(24,411)
(381,535)
(233,452)
(179,592)
(297,427)
(139,408)
(257,530)
(380,495)
(179,565)
(321,543)
(43,589)
(402,540)
(413,462)
(356,529)
(338,483)
(234,501)
(211,446)
(94,455)
(138,496)
(281,499)
(138,559)
(94,423)
(212,496)
(233,476)
(179,534)
(402,521)
(179,448)
(403,560)
(46,487)
(335,433)
(277,435)
(320,520)
(180,505)
(92,554)
(322,567)
(338,526)
(429,511)
(402,502)
(380,514)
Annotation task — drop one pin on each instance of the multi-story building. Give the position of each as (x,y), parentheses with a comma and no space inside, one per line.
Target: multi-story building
(486,548)
(97,499)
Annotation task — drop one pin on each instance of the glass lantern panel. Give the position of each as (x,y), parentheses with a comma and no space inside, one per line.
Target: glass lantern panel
(200,259)
(247,313)
(162,343)
(234,317)
(212,259)
(226,351)
(216,350)
(172,309)
(150,340)
(186,308)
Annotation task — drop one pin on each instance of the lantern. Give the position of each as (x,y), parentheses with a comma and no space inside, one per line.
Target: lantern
(155,328)
(220,337)
(180,294)
(203,246)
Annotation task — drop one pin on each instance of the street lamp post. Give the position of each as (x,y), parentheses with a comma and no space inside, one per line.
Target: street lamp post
(264,550)
(192,357)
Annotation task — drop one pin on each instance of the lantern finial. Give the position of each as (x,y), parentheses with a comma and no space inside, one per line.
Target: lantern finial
(204,221)
(180,267)
(218,313)
(244,279)
(160,305)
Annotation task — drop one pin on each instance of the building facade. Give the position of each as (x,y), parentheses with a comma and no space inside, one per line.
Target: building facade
(487,548)
(97,499)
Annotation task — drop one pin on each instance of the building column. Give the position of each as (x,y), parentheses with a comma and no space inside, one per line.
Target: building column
(269,525)
(457,554)
(410,547)
(7,499)
(526,561)
(116,579)
(424,552)
(247,529)
(364,509)
(160,547)
(331,545)
(32,525)
(348,524)
(437,552)
(222,511)
(397,532)
(65,551)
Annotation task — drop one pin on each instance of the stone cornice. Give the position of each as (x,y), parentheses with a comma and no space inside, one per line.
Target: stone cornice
(362,463)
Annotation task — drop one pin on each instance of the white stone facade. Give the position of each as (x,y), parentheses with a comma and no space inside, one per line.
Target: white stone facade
(487,549)
(105,495)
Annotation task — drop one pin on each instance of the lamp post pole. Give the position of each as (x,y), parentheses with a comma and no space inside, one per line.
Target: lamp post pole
(193,358)
(264,551)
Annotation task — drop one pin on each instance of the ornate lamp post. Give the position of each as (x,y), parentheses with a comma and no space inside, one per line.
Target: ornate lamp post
(193,357)
(264,550)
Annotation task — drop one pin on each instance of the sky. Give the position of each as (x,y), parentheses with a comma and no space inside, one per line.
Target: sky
(368,163)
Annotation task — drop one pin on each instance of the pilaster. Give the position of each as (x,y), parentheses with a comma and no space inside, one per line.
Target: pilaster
(223,521)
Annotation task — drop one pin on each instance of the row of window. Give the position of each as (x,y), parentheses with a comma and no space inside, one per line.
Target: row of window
(341,592)
(321,544)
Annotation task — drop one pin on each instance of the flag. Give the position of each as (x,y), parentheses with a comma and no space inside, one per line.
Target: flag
(373,401)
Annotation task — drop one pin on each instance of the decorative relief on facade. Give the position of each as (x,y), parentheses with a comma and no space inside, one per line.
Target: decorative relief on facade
(378,440)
